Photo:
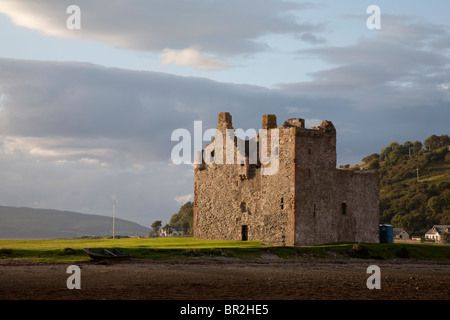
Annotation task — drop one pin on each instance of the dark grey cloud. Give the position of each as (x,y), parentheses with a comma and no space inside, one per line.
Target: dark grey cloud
(76,110)
(87,107)
(75,135)
(312,38)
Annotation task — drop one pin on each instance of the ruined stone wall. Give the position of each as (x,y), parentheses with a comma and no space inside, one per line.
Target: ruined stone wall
(332,205)
(227,196)
(224,203)
(314,176)
(360,192)
(277,194)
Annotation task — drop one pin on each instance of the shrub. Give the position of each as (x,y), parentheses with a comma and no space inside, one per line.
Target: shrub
(68,251)
(402,253)
(5,252)
(359,250)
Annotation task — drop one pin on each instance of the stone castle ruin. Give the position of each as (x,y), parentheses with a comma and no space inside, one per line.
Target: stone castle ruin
(307,201)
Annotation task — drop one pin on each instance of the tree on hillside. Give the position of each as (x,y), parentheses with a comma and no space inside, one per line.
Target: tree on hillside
(445,140)
(156,226)
(406,201)
(417,147)
(433,142)
(184,218)
(372,161)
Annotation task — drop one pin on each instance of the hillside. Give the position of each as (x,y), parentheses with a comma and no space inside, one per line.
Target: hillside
(414,183)
(28,223)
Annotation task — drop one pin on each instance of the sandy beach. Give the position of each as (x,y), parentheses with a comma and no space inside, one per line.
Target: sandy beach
(227,279)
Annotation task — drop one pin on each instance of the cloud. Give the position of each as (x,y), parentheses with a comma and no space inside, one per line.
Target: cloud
(191,57)
(226,28)
(144,195)
(68,110)
(73,134)
(184,198)
(401,65)
(312,38)
(90,161)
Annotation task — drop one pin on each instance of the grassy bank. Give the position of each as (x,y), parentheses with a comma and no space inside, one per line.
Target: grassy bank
(71,250)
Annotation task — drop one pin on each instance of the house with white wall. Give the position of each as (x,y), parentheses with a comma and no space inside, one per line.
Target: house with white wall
(435,233)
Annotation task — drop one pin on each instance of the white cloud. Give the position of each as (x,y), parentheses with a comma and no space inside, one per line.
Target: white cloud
(24,14)
(184,198)
(53,149)
(191,57)
(226,28)
(90,161)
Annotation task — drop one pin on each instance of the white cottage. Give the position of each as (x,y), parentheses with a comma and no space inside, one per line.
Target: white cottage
(436,232)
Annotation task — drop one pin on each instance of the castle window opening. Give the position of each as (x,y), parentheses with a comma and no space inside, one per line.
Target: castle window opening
(282,204)
(244,233)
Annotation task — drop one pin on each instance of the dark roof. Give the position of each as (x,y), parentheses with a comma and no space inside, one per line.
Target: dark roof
(398,230)
(440,228)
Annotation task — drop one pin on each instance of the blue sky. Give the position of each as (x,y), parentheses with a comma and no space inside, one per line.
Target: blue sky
(86,115)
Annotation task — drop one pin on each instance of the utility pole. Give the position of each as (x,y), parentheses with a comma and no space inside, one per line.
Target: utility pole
(114,219)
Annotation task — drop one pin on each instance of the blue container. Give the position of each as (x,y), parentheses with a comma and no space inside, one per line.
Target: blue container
(386,233)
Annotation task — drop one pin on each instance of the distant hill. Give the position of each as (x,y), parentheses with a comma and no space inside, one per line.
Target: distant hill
(28,223)
(414,183)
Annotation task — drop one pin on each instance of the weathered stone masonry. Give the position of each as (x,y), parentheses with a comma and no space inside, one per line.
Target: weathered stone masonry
(307,202)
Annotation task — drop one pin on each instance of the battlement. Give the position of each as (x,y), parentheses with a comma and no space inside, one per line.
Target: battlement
(269,121)
(224,121)
(320,139)
(294,122)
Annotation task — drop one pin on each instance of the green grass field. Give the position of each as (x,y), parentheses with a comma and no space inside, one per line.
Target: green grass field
(71,250)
